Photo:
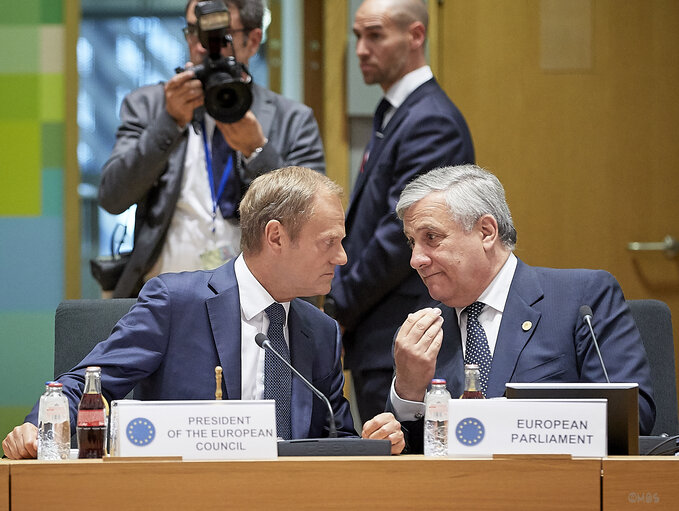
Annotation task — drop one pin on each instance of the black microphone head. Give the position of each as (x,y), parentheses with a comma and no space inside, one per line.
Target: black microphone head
(585,310)
(259,339)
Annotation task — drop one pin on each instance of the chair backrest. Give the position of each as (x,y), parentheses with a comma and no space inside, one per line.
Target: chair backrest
(654,321)
(80,324)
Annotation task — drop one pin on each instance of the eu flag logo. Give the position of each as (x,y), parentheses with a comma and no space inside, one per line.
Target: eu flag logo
(140,431)
(470,431)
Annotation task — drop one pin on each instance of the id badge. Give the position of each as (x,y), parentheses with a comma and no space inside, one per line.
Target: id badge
(211,259)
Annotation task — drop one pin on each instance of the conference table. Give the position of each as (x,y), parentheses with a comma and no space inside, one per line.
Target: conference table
(399,482)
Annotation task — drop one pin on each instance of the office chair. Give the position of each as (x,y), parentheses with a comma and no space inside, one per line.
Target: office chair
(80,324)
(654,321)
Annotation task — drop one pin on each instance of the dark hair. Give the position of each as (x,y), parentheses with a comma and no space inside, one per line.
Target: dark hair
(251,12)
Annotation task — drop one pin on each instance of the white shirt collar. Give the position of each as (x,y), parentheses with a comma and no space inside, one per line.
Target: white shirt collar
(495,295)
(398,92)
(253,297)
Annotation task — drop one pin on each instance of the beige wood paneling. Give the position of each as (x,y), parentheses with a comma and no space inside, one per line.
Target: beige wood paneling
(588,156)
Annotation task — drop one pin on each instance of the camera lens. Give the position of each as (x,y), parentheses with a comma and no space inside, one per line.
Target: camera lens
(226,99)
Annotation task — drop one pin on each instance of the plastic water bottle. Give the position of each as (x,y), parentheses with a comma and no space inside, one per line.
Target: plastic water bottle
(436,419)
(54,426)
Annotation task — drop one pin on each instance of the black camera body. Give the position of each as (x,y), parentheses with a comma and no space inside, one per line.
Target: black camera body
(226,82)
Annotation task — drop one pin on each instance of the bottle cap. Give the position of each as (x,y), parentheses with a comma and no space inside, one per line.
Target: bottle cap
(471,366)
(438,381)
(55,384)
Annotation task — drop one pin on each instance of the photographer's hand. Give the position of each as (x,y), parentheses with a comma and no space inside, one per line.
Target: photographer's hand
(244,135)
(183,94)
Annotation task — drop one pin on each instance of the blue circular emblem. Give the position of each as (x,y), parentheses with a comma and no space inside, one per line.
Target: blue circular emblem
(470,431)
(141,431)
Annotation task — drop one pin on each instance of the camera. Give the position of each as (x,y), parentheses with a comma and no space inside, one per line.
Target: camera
(227,93)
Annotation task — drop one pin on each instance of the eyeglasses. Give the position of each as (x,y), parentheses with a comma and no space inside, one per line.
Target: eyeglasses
(191,31)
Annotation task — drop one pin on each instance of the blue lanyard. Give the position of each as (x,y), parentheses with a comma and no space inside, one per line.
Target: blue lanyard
(225,175)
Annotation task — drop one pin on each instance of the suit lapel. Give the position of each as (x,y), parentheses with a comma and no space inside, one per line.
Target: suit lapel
(301,355)
(263,108)
(379,143)
(224,313)
(519,321)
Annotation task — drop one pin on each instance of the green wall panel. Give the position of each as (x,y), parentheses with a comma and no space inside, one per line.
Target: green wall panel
(20,193)
(52,144)
(51,11)
(19,93)
(51,97)
(24,37)
(21,11)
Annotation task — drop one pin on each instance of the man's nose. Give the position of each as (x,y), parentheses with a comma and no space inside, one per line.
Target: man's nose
(418,258)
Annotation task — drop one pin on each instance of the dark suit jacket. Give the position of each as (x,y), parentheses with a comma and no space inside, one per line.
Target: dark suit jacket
(376,289)
(185,324)
(147,165)
(558,346)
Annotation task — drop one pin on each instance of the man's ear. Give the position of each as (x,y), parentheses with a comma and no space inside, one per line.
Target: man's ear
(418,34)
(273,235)
(254,40)
(488,228)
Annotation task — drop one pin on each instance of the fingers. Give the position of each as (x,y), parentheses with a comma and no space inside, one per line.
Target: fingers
(244,135)
(21,442)
(415,350)
(385,427)
(183,94)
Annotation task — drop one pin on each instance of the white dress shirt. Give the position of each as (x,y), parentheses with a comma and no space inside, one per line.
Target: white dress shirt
(495,298)
(190,231)
(253,320)
(403,88)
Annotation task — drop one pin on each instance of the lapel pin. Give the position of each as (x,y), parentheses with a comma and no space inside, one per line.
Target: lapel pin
(526,325)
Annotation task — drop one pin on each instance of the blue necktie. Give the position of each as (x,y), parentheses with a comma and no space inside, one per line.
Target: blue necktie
(230,198)
(477,351)
(277,376)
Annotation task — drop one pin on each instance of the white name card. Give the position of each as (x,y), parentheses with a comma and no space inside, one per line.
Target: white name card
(483,427)
(223,430)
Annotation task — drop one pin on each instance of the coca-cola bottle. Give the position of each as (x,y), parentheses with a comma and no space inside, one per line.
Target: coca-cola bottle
(472,382)
(91,428)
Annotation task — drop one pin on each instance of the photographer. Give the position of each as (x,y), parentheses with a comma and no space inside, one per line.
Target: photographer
(167,149)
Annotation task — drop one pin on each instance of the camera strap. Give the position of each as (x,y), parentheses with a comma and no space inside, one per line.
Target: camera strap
(222,182)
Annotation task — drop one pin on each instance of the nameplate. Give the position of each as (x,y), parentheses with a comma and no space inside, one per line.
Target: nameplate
(483,427)
(223,430)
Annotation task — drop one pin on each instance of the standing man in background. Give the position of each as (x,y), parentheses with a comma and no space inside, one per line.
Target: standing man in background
(416,128)
(159,161)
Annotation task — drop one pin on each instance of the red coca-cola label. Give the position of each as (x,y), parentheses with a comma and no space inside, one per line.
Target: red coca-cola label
(91,418)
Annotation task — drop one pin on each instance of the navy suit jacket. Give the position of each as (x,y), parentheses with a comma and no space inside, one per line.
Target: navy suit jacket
(558,346)
(377,288)
(185,324)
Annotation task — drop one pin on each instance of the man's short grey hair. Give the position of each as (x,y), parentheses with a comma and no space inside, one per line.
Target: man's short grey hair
(470,193)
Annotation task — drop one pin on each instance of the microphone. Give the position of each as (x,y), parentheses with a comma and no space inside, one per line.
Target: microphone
(264,343)
(586,314)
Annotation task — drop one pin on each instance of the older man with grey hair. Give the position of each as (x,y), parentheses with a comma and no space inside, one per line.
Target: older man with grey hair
(517,322)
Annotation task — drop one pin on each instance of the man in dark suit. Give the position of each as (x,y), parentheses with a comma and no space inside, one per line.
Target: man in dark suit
(185,324)
(160,159)
(417,128)
(519,323)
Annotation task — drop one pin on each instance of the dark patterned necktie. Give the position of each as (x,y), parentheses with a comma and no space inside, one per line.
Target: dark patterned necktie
(477,351)
(277,376)
(230,198)
(378,120)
